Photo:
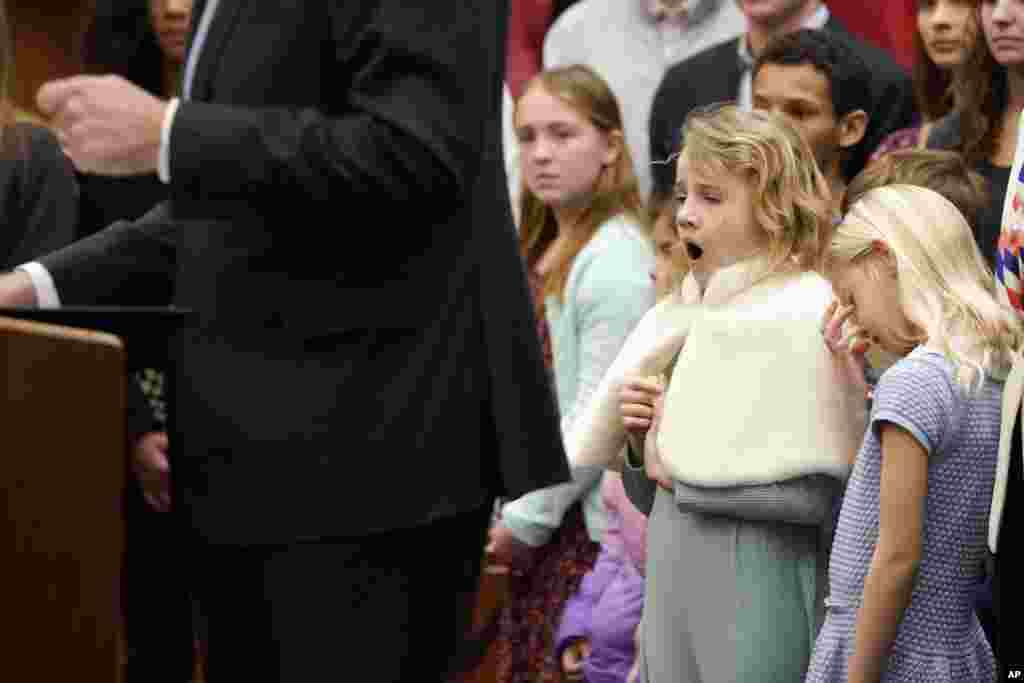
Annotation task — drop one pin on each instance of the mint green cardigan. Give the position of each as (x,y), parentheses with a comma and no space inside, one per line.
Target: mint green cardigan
(609,289)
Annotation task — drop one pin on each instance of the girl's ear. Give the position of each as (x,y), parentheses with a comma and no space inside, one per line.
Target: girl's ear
(615,143)
(880,248)
(852,127)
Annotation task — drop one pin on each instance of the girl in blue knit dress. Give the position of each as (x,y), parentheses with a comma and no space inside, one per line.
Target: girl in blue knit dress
(910,542)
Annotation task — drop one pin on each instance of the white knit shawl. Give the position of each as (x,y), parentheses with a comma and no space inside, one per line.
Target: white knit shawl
(755,396)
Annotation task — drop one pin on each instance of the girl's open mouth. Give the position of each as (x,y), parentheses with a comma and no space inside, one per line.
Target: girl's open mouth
(694,251)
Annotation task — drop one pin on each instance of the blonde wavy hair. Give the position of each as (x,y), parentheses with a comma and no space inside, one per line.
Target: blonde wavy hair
(793,201)
(945,287)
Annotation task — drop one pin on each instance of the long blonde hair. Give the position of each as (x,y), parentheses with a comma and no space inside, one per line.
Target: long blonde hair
(792,199)
(617,190)
(945,287)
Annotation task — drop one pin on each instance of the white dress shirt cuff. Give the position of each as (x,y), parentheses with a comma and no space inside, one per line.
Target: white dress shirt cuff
(42,282)
(163,167)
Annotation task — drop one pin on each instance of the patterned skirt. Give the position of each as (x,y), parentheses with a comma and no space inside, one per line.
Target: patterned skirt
(537,596)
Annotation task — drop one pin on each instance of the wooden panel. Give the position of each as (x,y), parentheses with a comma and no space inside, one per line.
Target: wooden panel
(47,37)
(62,474)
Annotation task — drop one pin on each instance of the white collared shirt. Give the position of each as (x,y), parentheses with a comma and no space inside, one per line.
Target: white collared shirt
(164,162)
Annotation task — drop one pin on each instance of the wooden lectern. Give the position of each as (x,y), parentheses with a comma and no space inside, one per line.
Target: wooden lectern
(64,440)
(62,430)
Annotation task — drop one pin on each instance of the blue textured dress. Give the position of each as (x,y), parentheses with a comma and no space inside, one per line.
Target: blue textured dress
(939,638)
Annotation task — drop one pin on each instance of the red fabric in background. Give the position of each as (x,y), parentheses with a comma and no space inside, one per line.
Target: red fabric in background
(528,24)
(889,24)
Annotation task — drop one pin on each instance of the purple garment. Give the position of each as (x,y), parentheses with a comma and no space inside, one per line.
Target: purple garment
(610,600)
(939,639)
(630,535)
(904,138)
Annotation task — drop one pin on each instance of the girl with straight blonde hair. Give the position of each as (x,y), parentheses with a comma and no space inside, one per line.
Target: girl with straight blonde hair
(739,459)
(910,542)
(587,250)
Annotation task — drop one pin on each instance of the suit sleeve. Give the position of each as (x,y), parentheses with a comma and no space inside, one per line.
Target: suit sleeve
(403,134)
(128,263)
(48,207)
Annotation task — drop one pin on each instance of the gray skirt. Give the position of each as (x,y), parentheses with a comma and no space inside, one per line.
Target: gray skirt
(727,599)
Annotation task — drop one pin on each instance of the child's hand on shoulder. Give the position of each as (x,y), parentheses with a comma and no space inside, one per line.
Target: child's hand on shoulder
(636,404)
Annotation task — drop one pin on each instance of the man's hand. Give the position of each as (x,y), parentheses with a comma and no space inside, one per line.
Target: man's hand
(504,548)
(149,460)
(105,124)
(16,289)
(572,659)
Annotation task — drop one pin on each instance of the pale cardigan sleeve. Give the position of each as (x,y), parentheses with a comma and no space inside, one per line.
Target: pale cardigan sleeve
(610,293)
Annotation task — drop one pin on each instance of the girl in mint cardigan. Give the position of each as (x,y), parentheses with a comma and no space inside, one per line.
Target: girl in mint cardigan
(587,250)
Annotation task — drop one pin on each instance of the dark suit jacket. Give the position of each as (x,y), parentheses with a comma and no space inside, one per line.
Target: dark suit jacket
(1007,591)
(38,195)
(364,355)
(714,76)
(106,199)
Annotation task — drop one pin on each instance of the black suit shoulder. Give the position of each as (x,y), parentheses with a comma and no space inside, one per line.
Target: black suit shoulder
(712,56)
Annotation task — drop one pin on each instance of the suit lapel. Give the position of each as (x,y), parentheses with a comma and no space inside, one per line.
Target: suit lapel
(224,20)
(197,12)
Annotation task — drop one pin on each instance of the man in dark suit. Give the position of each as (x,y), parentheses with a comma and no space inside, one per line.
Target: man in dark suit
(722,73)
(363,376)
